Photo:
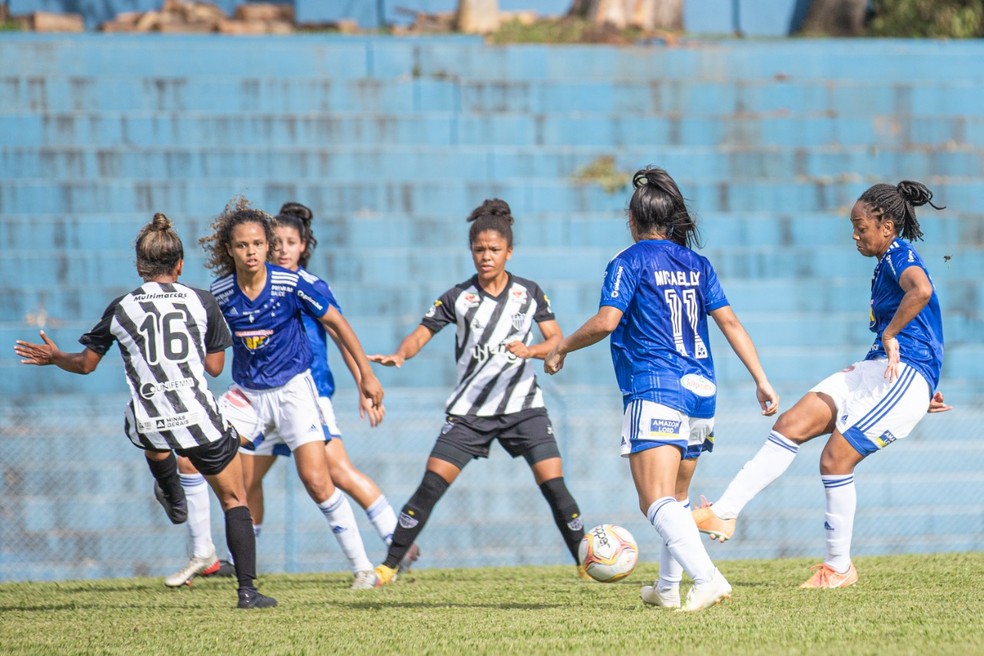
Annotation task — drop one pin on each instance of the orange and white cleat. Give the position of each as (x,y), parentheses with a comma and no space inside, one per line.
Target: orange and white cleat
(825,576)
(709,523)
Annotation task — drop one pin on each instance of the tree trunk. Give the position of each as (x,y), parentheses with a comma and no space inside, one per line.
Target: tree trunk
(477,16)
(836,17)
(644,14)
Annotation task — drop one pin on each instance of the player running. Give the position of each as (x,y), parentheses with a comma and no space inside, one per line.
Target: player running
(871,403)
(655,301)
(496,396)
(170,335)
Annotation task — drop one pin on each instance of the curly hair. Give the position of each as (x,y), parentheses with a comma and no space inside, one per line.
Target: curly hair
(159,249)
(215,245)
(493,214)
(898,204)
(299,217)
(657,204)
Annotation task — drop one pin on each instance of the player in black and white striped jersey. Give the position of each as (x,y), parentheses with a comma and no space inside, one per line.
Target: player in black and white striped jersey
(496,396)
(170,335)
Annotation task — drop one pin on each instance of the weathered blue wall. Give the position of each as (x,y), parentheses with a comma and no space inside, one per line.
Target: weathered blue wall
(392,142)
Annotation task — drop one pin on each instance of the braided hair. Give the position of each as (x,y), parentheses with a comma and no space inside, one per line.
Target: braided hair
(215,245)
(898,204)
(159,249)
(657,205)
(493,214)
(299,217)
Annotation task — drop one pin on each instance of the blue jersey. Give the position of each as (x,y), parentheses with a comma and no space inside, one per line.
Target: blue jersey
(660,349)
(269,344)
(318,337)
(921,341)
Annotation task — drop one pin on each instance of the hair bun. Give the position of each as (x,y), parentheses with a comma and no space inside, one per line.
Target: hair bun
(298,211)
(914,193)
(160,222)
(492,207)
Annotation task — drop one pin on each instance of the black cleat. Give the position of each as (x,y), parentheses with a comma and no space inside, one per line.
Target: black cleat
(177,510)
(251,598)
(225,568)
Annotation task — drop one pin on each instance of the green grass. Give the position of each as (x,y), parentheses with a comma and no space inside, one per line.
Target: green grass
(902,605)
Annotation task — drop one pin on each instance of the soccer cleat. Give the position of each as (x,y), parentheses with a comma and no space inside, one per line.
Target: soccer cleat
(225,568)
(582,573)
(707,522)
(409,558)
(195,567)
(825,576)
(176,509)
(714,591)
(385,575)
(364,580)
(251,598)
(652,595)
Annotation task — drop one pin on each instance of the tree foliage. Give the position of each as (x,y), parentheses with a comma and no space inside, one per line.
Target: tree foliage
(958,19)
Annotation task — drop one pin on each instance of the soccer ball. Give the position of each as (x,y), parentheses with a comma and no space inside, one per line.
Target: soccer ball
(608,553)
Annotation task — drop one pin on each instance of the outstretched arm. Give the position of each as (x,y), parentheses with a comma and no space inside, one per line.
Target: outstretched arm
(409,347)
(368,383)
(591,332)
(741,344)
(366,407)
(84,362)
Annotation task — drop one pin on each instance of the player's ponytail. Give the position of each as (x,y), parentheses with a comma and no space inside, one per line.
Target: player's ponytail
(898,204)
(158,248)
(298,216)
(658,206)
(493,214)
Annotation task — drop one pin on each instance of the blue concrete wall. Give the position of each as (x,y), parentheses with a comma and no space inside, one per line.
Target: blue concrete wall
(392,142)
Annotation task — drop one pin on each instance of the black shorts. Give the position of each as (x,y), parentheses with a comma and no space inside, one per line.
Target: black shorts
(526,433)
(212,458)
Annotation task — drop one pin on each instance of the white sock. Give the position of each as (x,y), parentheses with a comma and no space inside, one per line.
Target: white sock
(381,514)
(842,501)
(670,571)
(199,515)
(767,465)
(338,510)
(681,537)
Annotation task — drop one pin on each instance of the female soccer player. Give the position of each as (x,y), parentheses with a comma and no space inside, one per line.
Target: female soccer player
(169,336)
(871,403)
(655,301)
(274,398)
(496,396)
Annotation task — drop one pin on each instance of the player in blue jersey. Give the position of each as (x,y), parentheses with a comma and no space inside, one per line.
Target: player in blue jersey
(871,403)
(655,301)
(496,397)
(274,398)
(169,336)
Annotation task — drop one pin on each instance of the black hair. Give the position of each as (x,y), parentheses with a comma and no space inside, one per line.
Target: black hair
(237,212)
(159,249)
(298,216)
(493,214)
(898,204)
(657,205)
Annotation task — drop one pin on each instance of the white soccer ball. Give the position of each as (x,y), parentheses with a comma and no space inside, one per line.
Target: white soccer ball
(608,553)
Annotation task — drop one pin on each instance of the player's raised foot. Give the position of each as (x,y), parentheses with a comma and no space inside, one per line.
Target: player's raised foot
(176,509)
(652,595)
(251,598)
(709,523)
(385,575)
(825,576)
(364,580)
(225,568)
(709,593)
(409,558)
(197,566)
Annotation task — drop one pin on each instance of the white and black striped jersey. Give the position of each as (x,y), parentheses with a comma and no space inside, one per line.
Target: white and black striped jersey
(164,331)
(491,380)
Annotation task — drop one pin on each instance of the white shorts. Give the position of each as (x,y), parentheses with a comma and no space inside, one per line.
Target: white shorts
(871,412)
(277,420)
(646,424)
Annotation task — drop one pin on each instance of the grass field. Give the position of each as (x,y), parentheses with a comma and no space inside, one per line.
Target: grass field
(902,605)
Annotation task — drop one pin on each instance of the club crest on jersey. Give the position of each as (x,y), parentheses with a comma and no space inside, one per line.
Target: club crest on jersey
(518,320)
(254,340)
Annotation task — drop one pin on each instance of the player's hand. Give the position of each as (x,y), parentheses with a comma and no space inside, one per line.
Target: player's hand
(891,346)
(393,360)
(372,390)
(767,398)
(37,354)
(375,413)
(554,361)
(936,403)
(519,349)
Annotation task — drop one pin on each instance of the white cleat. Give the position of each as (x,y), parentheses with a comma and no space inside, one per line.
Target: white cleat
(652,595)
(195,567)
(714,591)
(364,580)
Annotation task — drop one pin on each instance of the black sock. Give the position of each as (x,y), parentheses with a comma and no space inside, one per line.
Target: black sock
(166,474)
(414,515)
(566,514)
(242,544)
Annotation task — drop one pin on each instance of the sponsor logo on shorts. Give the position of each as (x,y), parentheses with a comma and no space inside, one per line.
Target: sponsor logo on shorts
(406,521)
(698,385)
(149,390)
(664,427)
(158,424)
(885,439)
